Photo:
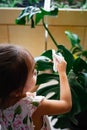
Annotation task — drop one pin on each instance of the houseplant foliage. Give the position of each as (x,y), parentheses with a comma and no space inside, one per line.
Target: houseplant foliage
(76,58)
(61,3)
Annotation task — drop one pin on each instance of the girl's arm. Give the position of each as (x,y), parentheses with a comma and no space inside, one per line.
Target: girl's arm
(55,107)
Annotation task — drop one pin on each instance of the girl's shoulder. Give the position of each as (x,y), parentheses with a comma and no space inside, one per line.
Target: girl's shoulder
(31,101)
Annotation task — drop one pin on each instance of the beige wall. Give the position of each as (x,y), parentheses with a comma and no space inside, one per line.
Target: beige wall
(34,39)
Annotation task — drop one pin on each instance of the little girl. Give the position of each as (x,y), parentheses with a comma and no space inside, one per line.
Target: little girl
(20,109)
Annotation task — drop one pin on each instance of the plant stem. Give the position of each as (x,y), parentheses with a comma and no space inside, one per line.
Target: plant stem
(56,44)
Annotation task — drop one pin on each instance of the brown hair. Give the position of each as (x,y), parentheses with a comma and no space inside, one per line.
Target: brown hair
(15,64)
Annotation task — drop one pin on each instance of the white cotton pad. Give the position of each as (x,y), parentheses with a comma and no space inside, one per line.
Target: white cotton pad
(57,57)
(54,61)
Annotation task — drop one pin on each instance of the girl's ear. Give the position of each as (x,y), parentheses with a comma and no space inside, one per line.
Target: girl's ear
(17,93)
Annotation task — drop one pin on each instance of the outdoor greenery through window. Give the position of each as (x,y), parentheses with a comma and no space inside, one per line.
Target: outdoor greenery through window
(61,3)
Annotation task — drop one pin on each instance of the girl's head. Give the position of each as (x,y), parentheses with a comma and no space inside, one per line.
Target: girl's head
(16,64)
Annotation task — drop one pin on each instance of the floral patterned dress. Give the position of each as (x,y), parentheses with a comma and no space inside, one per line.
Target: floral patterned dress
(18,116)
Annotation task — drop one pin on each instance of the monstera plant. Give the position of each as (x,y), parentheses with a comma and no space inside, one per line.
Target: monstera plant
(76,58)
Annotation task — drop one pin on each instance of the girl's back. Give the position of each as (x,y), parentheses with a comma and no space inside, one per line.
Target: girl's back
(19,116)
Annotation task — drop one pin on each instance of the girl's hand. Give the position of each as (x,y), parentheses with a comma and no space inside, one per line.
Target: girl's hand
(59,62)
(61,66)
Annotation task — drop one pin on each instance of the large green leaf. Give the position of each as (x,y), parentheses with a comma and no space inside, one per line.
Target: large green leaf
(21,19)
(74,39)
(46,77)
(42,13)
(78,89)
(79,65)
(62,122)
(82,79)
(67,55)
(84,53)
(43,63)
(78,95)
(27,14)
(52,90)
(47,53)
